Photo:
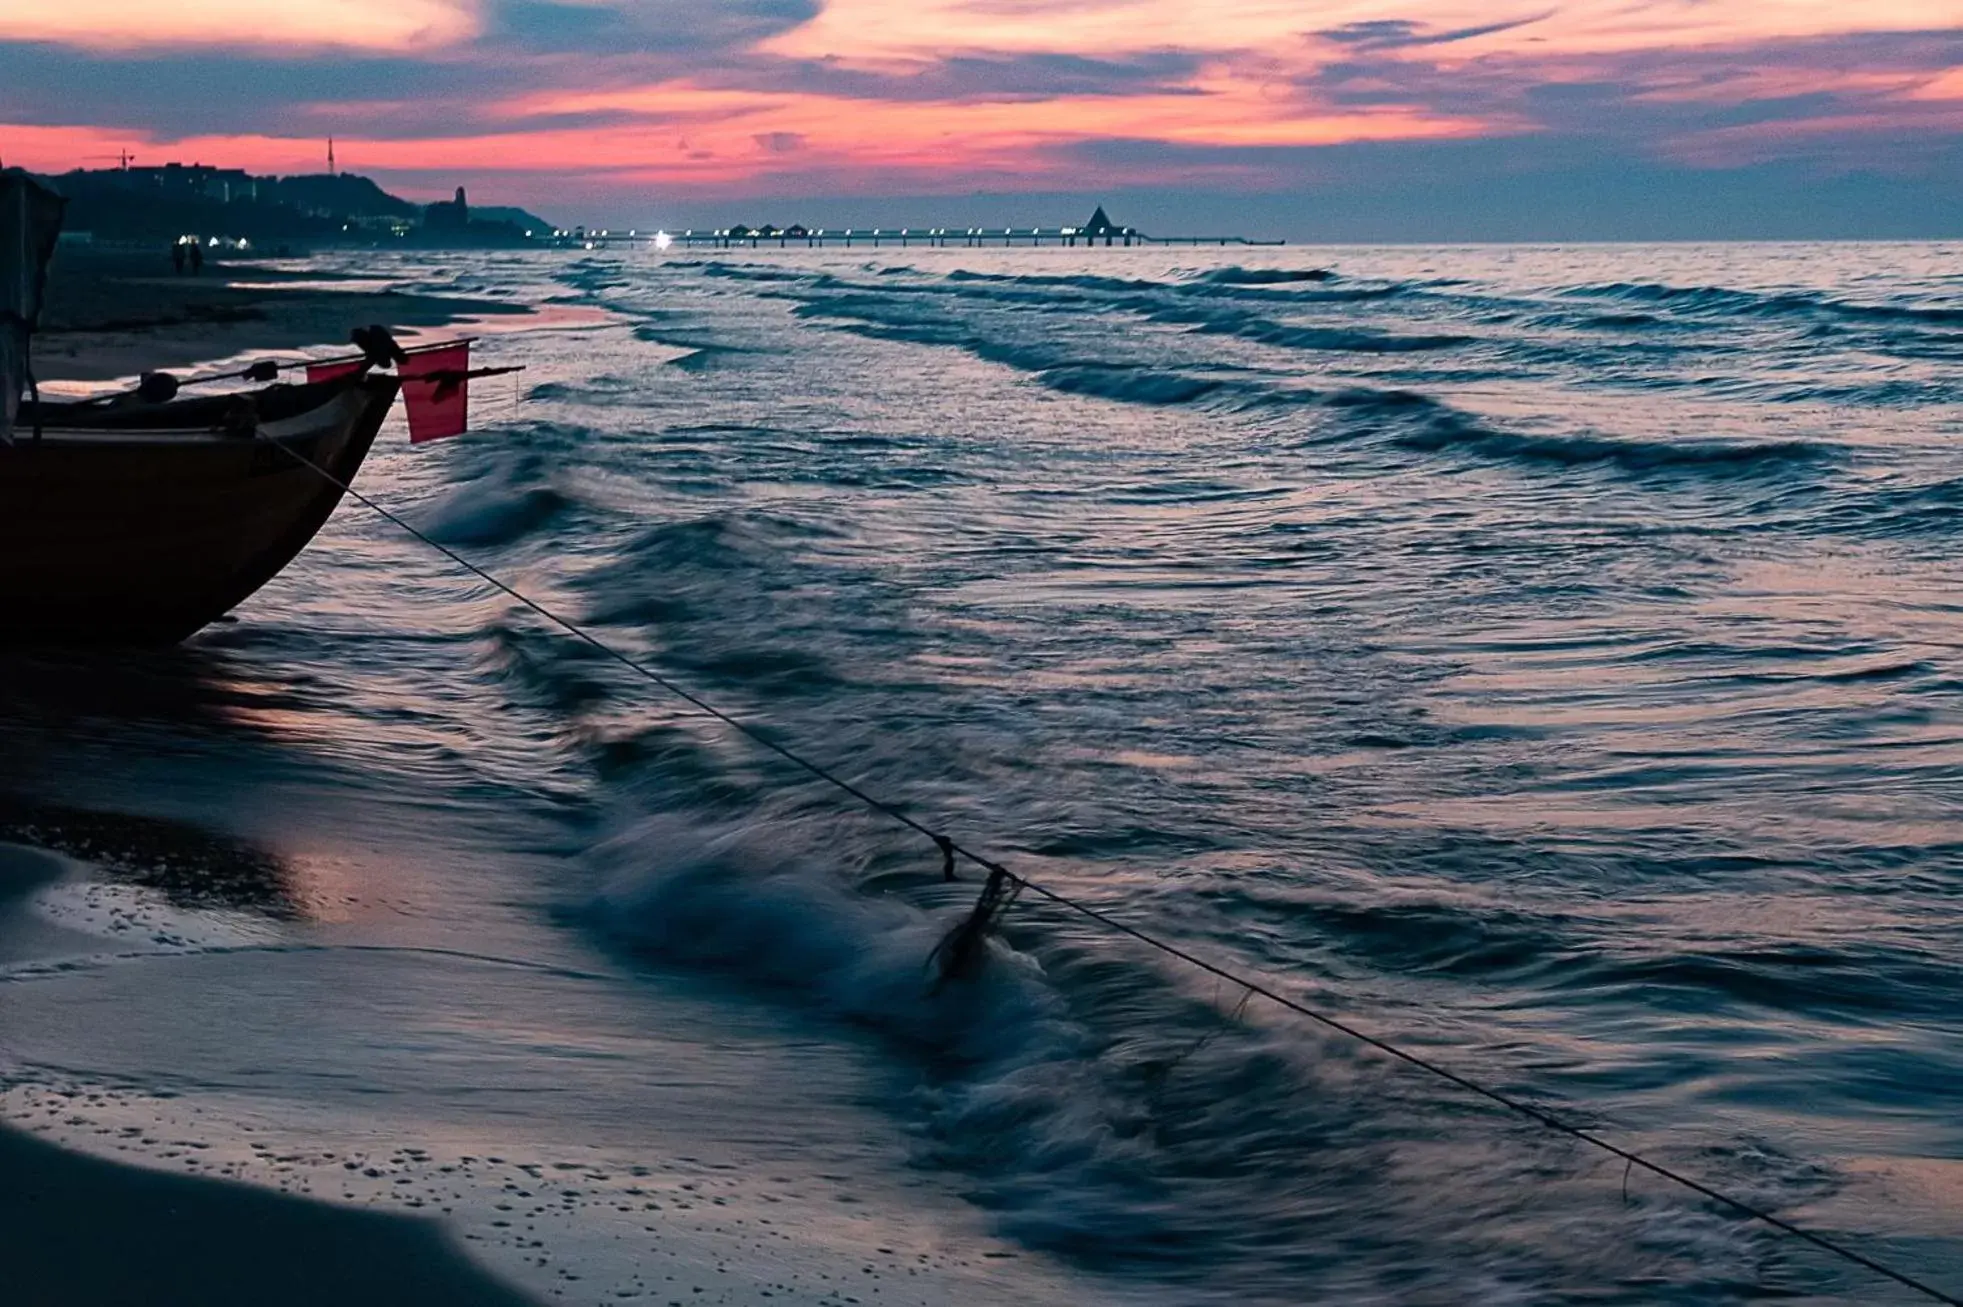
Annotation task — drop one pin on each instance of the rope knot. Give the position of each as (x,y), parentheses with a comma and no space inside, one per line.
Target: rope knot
(961,953)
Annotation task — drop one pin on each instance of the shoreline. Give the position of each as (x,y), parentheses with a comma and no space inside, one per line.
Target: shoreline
(75,1229)
(173,1156)
(79,1229)
(113,314)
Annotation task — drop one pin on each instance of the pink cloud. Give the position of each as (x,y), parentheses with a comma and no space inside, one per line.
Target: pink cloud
(317,24)
(933,94)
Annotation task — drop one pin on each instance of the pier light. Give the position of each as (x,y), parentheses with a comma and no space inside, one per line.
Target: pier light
(662,240)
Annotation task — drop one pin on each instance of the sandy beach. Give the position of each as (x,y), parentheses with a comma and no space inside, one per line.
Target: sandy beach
(113,313)
(77,1230)
(84,1231)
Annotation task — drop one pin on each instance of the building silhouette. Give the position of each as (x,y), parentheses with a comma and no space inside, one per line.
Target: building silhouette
(448,215)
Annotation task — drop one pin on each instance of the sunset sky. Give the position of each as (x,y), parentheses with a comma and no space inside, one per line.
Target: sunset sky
(1436,118)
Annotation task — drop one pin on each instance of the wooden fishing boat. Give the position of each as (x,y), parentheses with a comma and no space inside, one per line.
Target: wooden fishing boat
(139,517)
(138,523)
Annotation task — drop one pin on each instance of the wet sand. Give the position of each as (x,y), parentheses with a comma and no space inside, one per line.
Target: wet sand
(79,1232)
(117,313)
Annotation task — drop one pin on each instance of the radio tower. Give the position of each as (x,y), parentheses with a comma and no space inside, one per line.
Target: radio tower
(330,158)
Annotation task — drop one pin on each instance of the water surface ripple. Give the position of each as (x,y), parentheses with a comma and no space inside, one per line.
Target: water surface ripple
(1544,657)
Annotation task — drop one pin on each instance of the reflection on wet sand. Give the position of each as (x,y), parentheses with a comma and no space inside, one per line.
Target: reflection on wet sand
(190,867)
(53,701)
(105,691)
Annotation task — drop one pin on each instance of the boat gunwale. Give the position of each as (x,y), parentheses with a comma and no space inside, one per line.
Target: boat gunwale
(329,412)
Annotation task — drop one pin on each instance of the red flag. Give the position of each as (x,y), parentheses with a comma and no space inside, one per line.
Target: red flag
(319,372)
(436,391)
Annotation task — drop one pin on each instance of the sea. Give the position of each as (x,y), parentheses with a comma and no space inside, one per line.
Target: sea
(1547,660)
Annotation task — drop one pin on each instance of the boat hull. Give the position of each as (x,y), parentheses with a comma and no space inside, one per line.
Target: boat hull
(116,533)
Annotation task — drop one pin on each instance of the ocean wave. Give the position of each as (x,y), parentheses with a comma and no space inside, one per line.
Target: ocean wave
(1214,320)
(1450,432)
(744,271)
(1787,977)
(604,390)
(1365,399)
(1095,1111)
(1087,289)
(1063,372)
(1068,372)
(1893,393)
(1077,281)
(1442,937)
(1934,346)
(1619,321)
(1237,276)
(1932,511)
(1725,299)
(512,498)
(701,354)
(716,545)
(732,601)
(544,669)
(1130,383)
(1340,295)
(898,321)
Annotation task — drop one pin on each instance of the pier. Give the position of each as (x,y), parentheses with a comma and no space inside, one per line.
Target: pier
(1100,230)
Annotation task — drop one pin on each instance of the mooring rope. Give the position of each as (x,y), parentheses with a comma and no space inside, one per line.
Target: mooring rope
(960,950)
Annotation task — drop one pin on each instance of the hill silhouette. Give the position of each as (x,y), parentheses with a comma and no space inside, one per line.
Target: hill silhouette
(160,204)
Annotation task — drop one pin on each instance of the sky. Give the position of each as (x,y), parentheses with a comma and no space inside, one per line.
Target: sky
(1350,119)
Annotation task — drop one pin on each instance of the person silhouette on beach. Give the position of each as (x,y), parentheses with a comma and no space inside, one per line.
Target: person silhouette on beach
(197,257)
(177,258)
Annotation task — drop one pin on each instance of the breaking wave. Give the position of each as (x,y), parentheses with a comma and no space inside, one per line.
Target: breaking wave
(1265,276)
(1100,1115)
(1447,432)
(511,498)
(1129,383)
(1727,300)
